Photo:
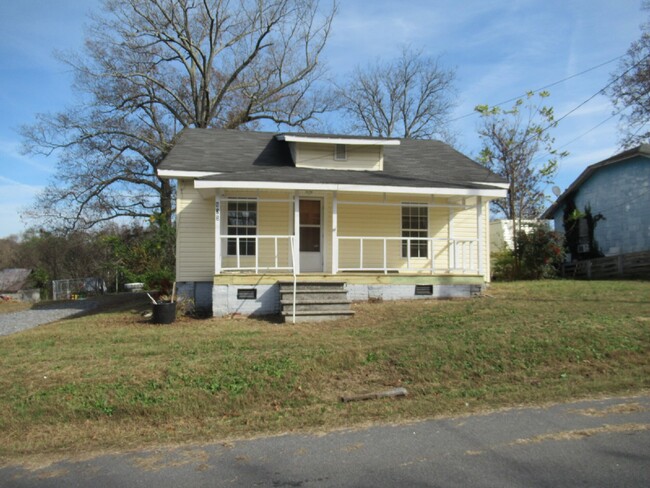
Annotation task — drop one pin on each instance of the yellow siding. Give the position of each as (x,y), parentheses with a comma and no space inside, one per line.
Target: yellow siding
(273,219)
(367,158)
(194,234)
(386,221)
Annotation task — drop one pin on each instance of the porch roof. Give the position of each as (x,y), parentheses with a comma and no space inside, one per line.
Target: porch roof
(343,180)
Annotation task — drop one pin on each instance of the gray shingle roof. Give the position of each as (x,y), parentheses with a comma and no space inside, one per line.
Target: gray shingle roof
(259,156)
(13,280)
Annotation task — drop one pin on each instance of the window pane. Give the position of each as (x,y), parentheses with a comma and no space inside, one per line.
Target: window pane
(309,212)
(310,239)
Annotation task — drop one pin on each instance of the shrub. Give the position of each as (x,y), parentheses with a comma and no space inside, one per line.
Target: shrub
(539,254)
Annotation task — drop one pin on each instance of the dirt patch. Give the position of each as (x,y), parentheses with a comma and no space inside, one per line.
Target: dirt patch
(622,408)
(572,435)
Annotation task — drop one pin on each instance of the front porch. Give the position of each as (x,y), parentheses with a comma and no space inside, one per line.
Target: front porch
(332,234)
(382,246)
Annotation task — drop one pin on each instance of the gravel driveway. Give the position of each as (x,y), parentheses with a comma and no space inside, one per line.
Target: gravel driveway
(18,321)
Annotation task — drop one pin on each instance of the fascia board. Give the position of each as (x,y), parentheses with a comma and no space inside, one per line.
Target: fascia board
(339,140)
(266,185)
(174,173)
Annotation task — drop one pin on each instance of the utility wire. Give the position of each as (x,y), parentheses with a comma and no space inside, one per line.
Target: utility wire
(546,86)
(614,114)
(581,104)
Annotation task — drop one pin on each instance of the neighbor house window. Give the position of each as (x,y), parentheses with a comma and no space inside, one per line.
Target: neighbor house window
(415,223)
(340,152)
(242,221)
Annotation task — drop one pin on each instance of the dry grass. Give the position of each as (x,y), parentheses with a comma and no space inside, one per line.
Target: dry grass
(112,380)
(9,306)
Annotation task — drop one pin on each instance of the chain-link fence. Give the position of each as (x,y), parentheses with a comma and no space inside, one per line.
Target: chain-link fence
(77,288)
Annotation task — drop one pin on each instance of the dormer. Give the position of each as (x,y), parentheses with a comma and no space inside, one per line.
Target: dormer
(337,152)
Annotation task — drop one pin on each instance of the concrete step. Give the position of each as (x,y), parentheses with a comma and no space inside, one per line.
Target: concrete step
(315,300)
(319,316)
(312,285)
(319,306)
(314,295)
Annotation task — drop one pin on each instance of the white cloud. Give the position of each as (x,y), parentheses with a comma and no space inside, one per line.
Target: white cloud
(11,149)
(14,197)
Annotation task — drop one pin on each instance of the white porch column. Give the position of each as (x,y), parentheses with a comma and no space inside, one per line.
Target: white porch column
(217,233)
(296,232)
(480,232)
(451,251)
(335,234)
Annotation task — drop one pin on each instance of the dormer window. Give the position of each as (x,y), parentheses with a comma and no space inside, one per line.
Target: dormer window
(340,152)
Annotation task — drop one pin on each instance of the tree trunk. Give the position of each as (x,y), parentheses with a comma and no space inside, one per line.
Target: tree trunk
(166,208)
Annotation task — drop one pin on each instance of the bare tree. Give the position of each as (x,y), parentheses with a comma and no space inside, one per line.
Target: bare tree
(517,145)
(153,67)
(629,89)
(409,97)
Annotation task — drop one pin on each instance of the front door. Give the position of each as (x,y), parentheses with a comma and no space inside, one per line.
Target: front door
(311,244)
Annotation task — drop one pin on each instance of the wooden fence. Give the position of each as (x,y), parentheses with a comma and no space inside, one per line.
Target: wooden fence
(632,265)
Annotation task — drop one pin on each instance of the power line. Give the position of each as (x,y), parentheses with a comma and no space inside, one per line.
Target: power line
(546,86)
(602,90)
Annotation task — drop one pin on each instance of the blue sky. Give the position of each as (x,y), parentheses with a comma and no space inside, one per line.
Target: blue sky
(500,49)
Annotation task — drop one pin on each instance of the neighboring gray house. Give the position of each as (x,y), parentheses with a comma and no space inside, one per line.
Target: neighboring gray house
(606,210)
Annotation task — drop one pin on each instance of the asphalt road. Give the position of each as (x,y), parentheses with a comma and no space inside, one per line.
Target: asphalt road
(598,443)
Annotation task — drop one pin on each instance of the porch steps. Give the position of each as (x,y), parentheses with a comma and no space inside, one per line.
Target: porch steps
(315,301)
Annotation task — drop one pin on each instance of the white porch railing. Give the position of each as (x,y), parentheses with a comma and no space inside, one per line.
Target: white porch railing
(278,253)
(272,256)
(461,255)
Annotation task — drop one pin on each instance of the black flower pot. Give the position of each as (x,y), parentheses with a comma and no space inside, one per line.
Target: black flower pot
(164,313)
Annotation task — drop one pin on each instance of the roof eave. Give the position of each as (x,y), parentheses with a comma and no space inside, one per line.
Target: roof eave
(174,173)
(337,140)
(278,185)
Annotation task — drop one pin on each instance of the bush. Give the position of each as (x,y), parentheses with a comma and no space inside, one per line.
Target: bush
(539,254)
(503,265)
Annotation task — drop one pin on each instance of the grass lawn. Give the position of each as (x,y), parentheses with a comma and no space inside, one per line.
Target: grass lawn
(112,380)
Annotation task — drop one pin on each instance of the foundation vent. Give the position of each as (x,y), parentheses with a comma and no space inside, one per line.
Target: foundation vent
(423,290)
(246,294)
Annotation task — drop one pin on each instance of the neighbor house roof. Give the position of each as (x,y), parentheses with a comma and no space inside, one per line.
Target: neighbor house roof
(229,155)
(642,150)
(13,280)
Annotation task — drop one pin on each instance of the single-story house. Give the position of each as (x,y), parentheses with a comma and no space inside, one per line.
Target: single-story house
(350,217)
(606,210)
(14,285)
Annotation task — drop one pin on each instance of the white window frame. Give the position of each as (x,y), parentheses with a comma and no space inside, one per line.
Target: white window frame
(340,152)
(245,243)
(418,249)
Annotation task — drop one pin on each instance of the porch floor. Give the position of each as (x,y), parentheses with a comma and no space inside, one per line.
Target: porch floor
(361,278)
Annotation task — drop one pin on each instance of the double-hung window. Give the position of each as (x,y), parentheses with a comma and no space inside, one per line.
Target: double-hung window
(415,224)
(242,221)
